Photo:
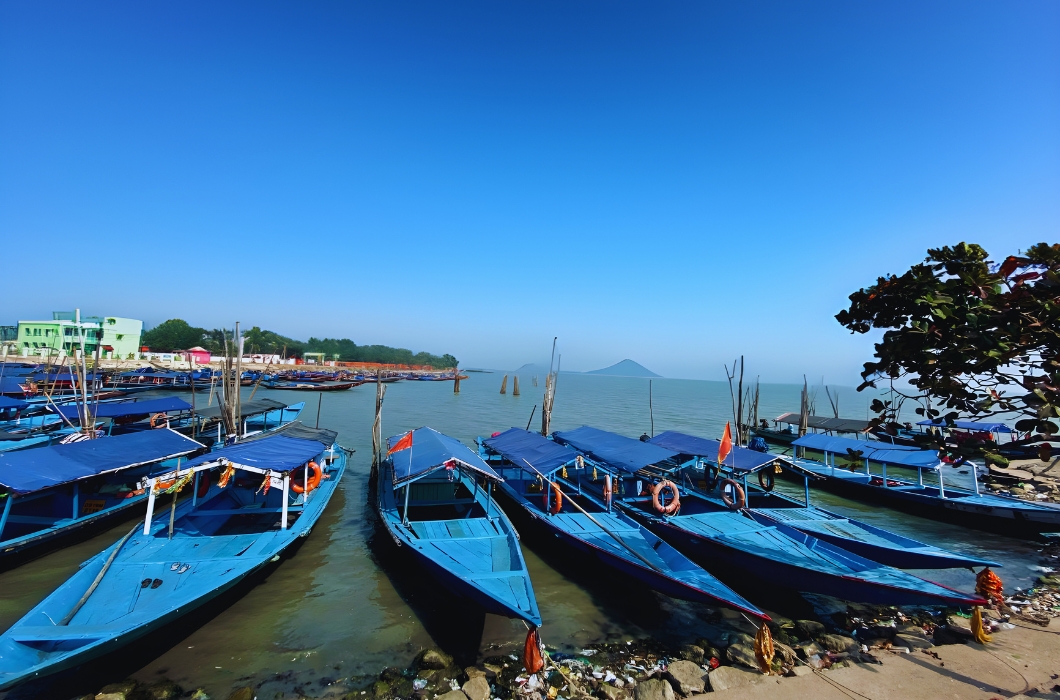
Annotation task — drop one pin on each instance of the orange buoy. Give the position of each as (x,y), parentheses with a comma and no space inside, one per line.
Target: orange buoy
(733,503)
(315,475)
(656,497)
(557,505)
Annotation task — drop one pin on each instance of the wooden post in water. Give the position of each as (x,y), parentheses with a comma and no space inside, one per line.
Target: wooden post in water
(456,380)
(515,387)
(377,426)
(504,385)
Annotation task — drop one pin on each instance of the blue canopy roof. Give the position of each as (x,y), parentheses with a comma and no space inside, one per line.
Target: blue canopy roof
(740,459)
(430,451)
(876,451)
(12,385)
(278,453)
(26,471)
(969,425)
(616,450)
(543,454)
(6,402)
(159,373)
(119,409)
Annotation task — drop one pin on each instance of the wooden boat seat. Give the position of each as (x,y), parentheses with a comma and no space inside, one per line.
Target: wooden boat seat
(474,528)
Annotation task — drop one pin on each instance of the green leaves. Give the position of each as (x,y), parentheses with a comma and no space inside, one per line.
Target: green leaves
(956,331)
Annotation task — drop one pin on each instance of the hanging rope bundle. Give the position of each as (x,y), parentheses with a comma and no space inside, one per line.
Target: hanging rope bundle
(978,631)
(764,649)
(226,475)
(264,488)
(988,584)
(532,658)
(564,472)
(173,486)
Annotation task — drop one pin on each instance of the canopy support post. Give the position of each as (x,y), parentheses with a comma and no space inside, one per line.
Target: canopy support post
(195,490)
(942,485)
(831,457)
(7,512)
(975,479)
(405,516)
(489,497)
(919,477)
(806,489)
(283,512)
(77,499)
(867,467)
(884,474)
(305,486)
(150,506)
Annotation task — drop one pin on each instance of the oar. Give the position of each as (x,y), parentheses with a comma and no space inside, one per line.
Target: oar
(598,524)
(99,576)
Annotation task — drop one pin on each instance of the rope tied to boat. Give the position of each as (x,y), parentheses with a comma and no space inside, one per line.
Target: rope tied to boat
(764,649)
(989,585)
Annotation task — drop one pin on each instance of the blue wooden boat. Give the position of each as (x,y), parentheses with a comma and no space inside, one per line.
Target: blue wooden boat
(242,513)
(432,503)
(532,467)
(10,442)
(733,543)
(854,478)
(129,415)
(755,472)
(274,418)
(50,493)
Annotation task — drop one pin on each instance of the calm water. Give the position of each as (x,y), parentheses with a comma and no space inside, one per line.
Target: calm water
(346,604)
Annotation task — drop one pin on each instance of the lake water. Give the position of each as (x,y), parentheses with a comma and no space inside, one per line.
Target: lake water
(347,605)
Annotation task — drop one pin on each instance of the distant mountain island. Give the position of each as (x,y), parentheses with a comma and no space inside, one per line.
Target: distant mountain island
(625,368)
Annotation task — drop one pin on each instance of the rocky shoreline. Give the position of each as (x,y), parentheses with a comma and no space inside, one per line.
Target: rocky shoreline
(723,658)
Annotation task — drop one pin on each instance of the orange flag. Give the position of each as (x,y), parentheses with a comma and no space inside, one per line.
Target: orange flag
(726,444)
(403,444)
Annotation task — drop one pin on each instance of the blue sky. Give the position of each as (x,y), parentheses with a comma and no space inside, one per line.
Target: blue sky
(677,183)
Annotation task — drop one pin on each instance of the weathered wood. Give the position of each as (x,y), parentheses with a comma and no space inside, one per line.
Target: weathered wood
(504,385)
(515,385)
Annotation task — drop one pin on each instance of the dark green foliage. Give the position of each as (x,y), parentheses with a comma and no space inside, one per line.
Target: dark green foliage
(971,337)
(176,334)
(349,351)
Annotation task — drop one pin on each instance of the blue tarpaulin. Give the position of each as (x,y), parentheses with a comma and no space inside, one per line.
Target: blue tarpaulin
(740,459)
(26,471)
(430,451)
(876,451)
(543,454)
(119,409)
(278,453)
(6,402)
(970,425)
(12,385)
(616,450)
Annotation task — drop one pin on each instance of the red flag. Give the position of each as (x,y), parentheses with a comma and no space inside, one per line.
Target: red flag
(726,444)
(403,444)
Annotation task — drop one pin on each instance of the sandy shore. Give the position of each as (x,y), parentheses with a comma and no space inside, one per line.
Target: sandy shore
(1021,661)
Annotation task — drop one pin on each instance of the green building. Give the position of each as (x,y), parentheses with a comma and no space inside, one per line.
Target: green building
(115,337)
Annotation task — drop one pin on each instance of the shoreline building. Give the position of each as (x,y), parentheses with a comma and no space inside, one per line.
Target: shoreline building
(115,337)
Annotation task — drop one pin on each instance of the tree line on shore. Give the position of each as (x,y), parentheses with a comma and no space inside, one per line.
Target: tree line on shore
(178,334)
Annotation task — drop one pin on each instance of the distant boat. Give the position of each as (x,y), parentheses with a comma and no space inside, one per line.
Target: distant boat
(302,386)
(244,511)
(431,502)
(51,492)
(937,500)
(771,507)
(607,536)
(732,542)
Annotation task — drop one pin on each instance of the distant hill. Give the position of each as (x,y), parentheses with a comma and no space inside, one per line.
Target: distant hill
(625,368)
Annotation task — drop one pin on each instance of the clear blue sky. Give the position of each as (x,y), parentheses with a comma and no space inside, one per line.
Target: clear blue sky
(677,183)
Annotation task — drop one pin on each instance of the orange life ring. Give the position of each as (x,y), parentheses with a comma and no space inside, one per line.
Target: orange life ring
(656,497)
(157,419)
(315,475)
(557,505)
(607,490)
(733,504)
